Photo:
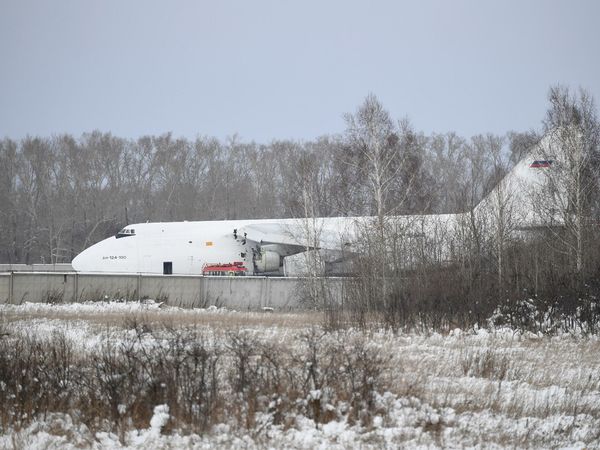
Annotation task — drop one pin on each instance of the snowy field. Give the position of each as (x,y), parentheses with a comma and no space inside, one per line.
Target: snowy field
(282,381)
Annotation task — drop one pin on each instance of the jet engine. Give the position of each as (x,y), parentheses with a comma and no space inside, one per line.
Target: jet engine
(267,261)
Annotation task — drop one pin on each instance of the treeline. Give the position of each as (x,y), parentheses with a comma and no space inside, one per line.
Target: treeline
(60,194)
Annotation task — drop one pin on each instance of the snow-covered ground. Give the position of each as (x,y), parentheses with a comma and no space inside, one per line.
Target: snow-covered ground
(468,389)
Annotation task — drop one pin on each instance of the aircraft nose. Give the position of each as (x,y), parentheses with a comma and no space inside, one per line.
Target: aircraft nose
(88,260)
(81,263)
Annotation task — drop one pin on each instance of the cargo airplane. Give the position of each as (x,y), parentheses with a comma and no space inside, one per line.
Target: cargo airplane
(277,246)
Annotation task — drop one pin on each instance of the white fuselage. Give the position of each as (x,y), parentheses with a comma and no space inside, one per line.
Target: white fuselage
(187,246)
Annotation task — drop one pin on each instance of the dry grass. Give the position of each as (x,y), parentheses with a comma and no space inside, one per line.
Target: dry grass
(507,389)
(178,318)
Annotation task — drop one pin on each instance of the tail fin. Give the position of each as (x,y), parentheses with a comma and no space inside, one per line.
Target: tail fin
(532,194)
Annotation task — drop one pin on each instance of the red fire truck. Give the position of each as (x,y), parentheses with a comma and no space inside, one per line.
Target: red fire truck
(234,269)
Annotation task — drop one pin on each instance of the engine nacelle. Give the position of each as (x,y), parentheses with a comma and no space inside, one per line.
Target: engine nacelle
(268,262)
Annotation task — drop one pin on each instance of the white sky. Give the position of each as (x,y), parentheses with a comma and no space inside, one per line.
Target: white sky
(281,69)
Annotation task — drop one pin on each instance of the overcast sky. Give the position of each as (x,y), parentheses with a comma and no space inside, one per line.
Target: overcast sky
(280,69)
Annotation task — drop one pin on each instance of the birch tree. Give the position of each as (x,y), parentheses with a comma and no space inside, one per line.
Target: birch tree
(574,133)
(370,132)
(374,153)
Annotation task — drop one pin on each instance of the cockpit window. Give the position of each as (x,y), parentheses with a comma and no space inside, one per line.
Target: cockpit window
(125,232)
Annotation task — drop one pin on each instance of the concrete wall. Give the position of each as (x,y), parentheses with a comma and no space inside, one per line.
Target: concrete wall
(240,293)
(94,287)
(5,280)
(60,267)
(174,290)
(42,287)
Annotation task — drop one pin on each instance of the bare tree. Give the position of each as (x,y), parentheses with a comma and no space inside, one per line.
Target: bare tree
(8,200)
(573,132)
(371,134)
(498,209)
(521,143)
(372,137)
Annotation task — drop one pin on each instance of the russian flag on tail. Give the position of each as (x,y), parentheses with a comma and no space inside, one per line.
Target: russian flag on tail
(538,164)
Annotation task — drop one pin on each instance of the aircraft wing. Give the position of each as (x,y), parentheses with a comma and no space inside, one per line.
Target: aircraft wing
(295,235)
